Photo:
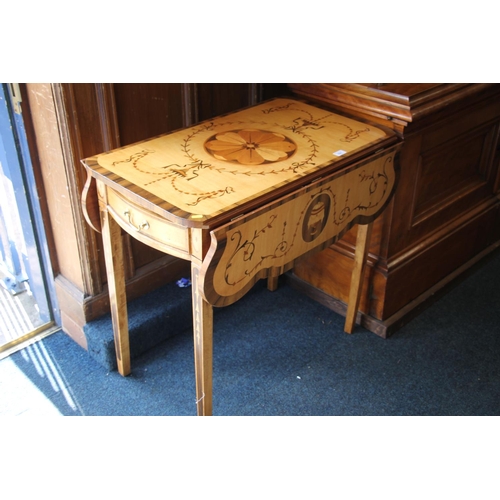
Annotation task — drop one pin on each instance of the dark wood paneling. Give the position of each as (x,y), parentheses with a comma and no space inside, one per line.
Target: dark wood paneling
(458,244)
(215,99)
(447,169)
(270,90)
(144,110)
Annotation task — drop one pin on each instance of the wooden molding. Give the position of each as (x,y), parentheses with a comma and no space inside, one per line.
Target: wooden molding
(106,107)
(398,103)
(189,92)
(70,134)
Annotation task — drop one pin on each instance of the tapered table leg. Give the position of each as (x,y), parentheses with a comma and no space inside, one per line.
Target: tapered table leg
(362,245)
(203,345)
(113,253)
(272,283)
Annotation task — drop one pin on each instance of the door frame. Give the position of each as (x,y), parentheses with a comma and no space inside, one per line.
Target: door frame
(17,166)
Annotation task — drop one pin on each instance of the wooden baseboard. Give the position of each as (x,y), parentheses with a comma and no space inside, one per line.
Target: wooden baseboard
(385,328)
(77,309)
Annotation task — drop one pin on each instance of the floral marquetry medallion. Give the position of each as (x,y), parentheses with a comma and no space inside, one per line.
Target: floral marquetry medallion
(220,164)
(250,146)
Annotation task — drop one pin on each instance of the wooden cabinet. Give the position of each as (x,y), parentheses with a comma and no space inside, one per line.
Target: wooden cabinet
(68,122)
(445,214)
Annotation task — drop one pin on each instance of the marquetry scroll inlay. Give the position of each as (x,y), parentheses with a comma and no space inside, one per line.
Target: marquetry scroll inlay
(222,163)
(248,248)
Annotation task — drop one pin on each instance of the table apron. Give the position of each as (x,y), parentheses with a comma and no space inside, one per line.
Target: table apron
(269,241)
(148,227)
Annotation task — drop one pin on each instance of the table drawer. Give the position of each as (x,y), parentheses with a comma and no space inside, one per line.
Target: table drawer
(148,227)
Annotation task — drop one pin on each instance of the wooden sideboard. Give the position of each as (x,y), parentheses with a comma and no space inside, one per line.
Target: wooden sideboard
(444,216)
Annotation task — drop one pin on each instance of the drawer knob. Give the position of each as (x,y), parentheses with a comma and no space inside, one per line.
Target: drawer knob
(144,226)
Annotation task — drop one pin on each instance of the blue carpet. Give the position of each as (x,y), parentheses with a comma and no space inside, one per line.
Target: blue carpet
(153,318)
(281,353)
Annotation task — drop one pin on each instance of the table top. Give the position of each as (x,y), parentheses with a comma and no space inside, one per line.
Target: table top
(210,172)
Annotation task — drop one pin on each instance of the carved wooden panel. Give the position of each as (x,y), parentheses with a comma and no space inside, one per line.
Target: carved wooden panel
(145,110)
(460,166)
(447,169)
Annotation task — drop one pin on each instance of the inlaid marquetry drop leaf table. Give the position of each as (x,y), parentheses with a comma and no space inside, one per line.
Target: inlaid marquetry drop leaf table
(242,197)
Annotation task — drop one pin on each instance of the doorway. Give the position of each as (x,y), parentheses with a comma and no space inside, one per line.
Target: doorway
(27,298)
